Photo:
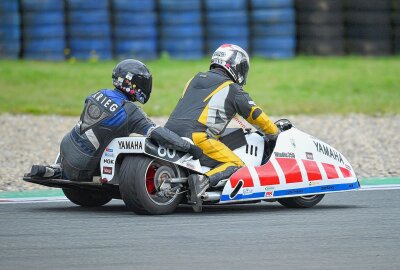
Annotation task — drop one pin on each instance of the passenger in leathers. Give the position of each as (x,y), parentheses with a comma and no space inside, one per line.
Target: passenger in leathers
(209,102)
(112,113)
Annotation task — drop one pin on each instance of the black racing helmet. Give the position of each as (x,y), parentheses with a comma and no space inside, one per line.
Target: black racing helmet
(133,78)
(233,59)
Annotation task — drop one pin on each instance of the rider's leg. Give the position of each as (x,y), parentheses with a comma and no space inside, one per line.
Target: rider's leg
(217,155)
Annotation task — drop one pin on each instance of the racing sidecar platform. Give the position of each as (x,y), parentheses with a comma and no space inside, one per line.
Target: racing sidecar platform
(110,190)
(297,171)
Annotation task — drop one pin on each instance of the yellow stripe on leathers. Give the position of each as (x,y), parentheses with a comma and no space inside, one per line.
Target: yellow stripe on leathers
(216,150)
(263,122)
(204,114)
(217,89)
(186,87)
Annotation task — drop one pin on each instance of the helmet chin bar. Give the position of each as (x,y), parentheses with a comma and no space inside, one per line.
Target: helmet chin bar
(140,97)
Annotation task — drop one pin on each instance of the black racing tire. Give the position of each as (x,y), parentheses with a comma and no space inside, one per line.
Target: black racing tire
(374,18)
(135,177)
(319,5)
(321,47)
(375,32)
(396,32)
(369,47)
(320,31)
(301,202)
(366,5)
(396,46)
(86,198)
(396,18)
(306,17)
(396,5)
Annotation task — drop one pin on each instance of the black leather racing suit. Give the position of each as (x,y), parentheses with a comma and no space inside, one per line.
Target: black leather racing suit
(209,102)
(107,114)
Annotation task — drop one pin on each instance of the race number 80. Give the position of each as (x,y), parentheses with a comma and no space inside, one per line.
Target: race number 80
(162,152)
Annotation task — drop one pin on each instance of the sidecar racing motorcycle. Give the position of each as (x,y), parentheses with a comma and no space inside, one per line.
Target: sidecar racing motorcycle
(297,171)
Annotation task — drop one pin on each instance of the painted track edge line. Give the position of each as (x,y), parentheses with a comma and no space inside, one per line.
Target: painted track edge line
(32,200)
(379,187)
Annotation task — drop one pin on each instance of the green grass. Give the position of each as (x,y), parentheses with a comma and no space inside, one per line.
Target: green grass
(305,85)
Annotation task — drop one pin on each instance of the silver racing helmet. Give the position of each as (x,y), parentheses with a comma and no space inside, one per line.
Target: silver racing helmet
(233,59)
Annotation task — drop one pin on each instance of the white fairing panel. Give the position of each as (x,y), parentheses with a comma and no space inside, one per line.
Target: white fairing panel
(252,153)
(300,165)
(133,145)
(137,145)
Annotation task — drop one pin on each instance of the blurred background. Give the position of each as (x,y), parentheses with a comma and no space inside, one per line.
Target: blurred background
(331,66)
(307,56)
(190,29)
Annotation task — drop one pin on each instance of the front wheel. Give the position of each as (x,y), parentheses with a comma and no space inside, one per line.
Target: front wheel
(144,185)
(86,198)
(301,202)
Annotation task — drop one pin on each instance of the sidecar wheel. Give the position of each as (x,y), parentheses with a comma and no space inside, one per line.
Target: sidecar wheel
(86,198)
(139,181)
(301,202)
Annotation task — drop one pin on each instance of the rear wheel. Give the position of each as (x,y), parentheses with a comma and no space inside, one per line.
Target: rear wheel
(301,202)
(86,198)
(145,188)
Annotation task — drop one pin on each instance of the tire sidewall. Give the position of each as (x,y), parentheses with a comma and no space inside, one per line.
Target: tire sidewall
(301,202)
(134,191)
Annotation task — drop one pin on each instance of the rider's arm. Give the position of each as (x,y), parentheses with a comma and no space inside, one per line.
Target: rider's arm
(140,123)
(170,139)
(253,114)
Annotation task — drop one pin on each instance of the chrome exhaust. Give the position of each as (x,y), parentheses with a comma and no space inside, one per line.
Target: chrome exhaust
(211,196)
(178,180)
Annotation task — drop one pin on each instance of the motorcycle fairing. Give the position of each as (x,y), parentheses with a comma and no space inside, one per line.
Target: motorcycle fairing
(141,145)
(300,165)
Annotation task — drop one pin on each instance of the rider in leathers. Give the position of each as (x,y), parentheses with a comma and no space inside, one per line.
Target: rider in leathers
(109,114)
(209,102)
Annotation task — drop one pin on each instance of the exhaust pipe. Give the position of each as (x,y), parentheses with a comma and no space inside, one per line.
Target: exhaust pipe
(211,196)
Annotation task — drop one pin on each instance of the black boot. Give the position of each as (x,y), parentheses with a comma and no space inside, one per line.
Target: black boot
(215,178)
(41,171)
(198,184)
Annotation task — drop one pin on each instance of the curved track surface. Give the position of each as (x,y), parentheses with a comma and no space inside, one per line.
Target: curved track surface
(355,230)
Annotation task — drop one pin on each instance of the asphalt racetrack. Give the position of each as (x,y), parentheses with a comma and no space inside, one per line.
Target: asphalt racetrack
(354,230)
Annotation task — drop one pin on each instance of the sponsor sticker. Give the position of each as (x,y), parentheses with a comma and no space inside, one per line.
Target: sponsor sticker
(292,141)
(106,102)
(309,156)
(329,152)
(284,155)
(269,193)
(130,145)
(189,165)
(314,183)
(110,150)
(247,191)
(108,161)
(219,54)
(323,188)
(107,170)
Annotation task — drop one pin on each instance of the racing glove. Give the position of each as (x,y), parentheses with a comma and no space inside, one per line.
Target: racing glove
(195,151)
(171,140)
(272,137)
(271,140)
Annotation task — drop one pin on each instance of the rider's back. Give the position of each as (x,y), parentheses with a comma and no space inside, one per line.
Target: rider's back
(107,114)
(207,105)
